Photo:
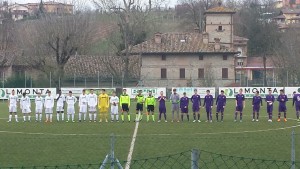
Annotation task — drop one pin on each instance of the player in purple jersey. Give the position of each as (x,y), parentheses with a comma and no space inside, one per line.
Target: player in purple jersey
(184,106)
(270,99)
(296,99)
(282,99)
(162,106)
(240,105)
(221,103)
(256,103)
(196,100)
(208,103)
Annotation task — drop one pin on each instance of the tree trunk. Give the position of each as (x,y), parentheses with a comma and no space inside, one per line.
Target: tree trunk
(265,70)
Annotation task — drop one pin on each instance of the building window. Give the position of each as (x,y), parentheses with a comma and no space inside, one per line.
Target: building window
(163,57)
(182,73)
(200,57)
(163,73)
(224,57)
(224,73)
(200,73)
(220,28)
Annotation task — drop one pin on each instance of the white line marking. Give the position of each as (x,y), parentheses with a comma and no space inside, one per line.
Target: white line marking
(129,157)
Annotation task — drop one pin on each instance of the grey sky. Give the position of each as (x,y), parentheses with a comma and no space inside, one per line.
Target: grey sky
(171,2)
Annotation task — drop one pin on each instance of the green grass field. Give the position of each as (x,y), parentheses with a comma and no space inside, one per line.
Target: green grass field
(59,143)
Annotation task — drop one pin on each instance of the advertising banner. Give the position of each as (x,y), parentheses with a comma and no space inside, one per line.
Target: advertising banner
(190,91)
(132,92)
(289,91)
(249,92)
(30,92)
(78,91)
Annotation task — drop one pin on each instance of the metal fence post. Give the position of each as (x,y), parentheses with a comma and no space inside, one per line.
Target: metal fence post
(112,153)
(195,159)
(293,158)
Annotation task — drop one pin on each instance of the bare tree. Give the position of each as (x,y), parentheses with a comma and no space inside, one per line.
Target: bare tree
(193,11)
(287,57)
(48,43)
(133,21)
(209,78)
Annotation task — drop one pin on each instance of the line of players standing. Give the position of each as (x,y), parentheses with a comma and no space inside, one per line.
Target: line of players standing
(88,103)
(257,101)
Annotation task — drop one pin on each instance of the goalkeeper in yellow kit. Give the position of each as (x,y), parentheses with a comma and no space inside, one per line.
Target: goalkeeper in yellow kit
(103,105)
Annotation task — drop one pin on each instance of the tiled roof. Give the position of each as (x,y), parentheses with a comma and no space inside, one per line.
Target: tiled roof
(238,38)
(257,62)
(89,66)
(177,43)
(220,9)
(279,17)
(7,58)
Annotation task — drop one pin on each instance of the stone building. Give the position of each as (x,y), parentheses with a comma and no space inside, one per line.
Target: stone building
(194,59)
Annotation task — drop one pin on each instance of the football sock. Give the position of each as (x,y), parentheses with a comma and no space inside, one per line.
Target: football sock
(24,118)
(194,115)
(284,115)
(235,115)
(16,117)
(117,117)
(147,117)
(253,115)
(50,117)
(72,117)
(79,116)
(68,117)
(36,117)
(90,117)
(279,114)
(241,115)
(188,117)
(41,117)
(172,115)
(165,114)
(182,117)
(9,117)
(62,116)
(153,117)
(95,116)
(217,116)
(198,116)
(222,116)
(29,118)
(84,116)
(128,116)
(122,117)
(57,116)
(112,117)
(257,116)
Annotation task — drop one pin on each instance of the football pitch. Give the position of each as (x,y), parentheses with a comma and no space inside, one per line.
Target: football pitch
(62,144)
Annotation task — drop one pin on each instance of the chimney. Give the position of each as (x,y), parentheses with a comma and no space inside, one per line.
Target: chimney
(217,44)
(205,37)
(157,38)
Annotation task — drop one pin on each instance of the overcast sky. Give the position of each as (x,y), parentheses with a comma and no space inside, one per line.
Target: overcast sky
(170,2)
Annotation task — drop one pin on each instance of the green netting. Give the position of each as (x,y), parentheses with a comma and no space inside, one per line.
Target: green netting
(182,160)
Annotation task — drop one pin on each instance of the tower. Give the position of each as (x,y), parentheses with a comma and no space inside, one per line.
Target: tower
(219,25)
